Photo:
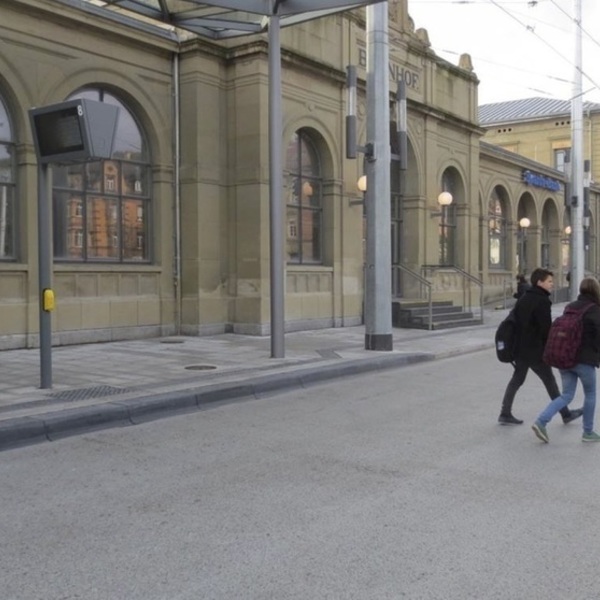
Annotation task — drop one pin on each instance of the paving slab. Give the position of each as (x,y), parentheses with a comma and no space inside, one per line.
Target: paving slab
(123,383)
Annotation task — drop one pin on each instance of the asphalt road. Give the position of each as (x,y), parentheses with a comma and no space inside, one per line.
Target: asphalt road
(396,485)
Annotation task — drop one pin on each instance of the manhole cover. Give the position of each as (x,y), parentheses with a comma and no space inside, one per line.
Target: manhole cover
(200,367)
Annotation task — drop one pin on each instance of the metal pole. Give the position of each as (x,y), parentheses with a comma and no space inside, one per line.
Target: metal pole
(378,291)
(402,121)
(45,277)
(444,253)
(275,192)
(521,250)
(577,254)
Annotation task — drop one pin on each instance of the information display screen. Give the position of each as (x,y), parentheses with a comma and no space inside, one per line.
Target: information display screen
(59,132)
(74,131)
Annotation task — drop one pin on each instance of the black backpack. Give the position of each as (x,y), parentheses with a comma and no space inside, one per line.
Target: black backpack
(506,338)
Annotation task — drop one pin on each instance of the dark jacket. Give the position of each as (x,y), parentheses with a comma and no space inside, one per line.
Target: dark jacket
(589,354)
(534,316)
(522,287)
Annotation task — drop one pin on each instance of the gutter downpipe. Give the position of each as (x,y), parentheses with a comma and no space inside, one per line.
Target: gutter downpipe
(177,192)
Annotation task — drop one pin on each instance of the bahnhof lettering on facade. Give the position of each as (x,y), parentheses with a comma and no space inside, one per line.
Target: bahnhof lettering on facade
(171,234)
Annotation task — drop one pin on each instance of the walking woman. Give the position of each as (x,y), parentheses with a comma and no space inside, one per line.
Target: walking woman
(588,361)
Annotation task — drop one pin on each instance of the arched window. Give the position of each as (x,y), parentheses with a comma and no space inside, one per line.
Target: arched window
(101,208)
(7,185)
(497,229)
(304,203)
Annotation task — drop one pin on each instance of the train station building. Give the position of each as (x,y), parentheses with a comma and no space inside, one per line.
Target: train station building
(171,235)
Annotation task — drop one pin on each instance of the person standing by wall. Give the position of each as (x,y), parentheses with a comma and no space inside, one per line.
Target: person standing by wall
(588,360)
(534,317)
(522,286)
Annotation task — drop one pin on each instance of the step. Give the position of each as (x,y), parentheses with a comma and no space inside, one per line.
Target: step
(460,323)
(436,310)
(444,324)
(406,304)
(442,317)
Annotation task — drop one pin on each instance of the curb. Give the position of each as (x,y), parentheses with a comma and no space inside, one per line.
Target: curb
(51,426)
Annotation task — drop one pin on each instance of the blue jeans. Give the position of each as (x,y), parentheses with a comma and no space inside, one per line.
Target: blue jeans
(587,374)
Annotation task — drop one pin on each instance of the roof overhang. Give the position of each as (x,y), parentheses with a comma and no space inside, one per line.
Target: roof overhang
(219,19)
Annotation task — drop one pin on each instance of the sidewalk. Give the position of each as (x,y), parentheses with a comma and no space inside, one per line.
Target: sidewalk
(124,383)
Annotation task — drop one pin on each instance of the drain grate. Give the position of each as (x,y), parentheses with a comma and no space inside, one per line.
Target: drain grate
(85,393)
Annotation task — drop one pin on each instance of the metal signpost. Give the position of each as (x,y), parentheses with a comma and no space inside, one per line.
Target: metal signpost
(71,131)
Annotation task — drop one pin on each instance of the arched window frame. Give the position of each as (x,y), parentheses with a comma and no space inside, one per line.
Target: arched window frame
(8,190)
(102,208)
(304,201)
(497,231)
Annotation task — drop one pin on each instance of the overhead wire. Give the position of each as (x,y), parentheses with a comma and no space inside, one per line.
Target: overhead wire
(528,27)
(503,65)
(478,59)
(546,43)
(589,35)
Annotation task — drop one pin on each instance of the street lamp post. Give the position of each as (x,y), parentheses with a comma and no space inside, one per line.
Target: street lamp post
(524,224)
(567,260)
(444,200)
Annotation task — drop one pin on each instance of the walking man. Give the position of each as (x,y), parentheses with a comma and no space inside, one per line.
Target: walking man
(534,317)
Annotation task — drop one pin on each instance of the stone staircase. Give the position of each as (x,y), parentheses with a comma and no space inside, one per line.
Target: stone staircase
(414,314)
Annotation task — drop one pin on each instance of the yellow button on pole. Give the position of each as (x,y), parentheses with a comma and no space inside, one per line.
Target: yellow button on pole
(48,299)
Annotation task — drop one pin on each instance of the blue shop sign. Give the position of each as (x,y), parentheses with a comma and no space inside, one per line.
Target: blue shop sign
(541,181)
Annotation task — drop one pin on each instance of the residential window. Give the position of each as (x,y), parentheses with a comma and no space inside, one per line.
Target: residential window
(7,186)
(561,157)
(497,229)
(107,200)
(304,203)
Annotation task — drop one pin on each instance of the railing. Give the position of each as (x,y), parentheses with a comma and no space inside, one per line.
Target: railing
(507,290)
(423,284)
(466,277)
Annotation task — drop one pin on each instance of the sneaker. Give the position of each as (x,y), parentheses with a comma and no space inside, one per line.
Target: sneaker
(575,414)
(590,437)
(541,432)
(509,420)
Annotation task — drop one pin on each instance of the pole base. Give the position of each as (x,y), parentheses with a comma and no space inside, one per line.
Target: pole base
(379,341)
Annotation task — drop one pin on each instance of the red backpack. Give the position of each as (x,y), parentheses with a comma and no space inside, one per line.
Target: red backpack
(564,338)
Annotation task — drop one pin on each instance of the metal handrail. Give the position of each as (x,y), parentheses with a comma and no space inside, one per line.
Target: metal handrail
(466,276)
(424,282)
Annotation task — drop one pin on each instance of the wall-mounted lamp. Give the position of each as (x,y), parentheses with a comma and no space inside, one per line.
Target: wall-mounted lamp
(307,188)
(444,200)
(568,230)
(524,223)
(361,184)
